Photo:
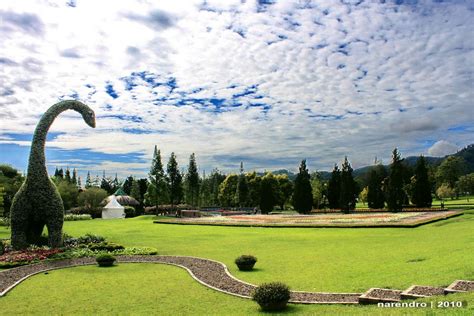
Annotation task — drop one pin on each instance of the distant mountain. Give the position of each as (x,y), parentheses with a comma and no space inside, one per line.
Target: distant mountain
(466,153)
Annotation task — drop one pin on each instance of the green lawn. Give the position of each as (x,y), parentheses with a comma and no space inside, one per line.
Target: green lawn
(329,259)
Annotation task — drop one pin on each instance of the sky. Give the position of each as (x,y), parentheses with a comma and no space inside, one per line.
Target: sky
(268,83)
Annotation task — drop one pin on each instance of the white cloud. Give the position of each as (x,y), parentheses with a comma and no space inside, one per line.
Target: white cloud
(339,79)
(442,148)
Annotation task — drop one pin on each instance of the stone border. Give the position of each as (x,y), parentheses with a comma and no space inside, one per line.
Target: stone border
(14,276)
(415,223)
(377,295)
(454,287)
(413,292)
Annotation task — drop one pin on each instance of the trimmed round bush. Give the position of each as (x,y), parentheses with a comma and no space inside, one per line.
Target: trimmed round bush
(245,262)
(105,260)
(272,296)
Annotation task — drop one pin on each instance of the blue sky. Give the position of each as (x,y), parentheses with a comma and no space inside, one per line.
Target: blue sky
(264,82)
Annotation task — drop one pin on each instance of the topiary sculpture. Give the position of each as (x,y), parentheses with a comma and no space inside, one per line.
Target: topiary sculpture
(37,202)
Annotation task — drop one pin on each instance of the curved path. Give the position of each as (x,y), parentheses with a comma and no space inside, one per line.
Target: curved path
(210,273)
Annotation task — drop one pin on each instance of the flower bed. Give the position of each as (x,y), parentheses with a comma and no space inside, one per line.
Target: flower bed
(12,259)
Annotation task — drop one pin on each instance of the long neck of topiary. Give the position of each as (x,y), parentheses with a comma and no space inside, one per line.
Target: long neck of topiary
(37,163)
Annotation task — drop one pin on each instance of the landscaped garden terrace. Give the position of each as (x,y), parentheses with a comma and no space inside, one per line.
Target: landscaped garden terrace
(322,260)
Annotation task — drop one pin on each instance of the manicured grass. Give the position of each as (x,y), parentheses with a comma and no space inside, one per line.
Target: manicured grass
(156,290)
(323,259)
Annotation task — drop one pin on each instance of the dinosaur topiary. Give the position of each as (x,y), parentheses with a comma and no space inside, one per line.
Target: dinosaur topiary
(37,202)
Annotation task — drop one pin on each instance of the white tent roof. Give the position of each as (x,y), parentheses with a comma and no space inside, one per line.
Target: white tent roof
(113,204)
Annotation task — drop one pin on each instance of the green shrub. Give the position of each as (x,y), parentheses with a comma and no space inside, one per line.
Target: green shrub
(77,217)
(105,260)
(147,251)
(105,246)
(245,262)
(129,211)
(272,296)
(90,238)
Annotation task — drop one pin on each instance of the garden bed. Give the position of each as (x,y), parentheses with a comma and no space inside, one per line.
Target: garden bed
(376,295)
(417,291)
(460,286)
(380,219)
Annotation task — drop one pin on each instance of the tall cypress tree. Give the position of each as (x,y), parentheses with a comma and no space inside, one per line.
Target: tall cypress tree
(334,188)
(375,196)
(192,182)
(88,180)
(61,173)
(157,190)
(175,181)
(74,176)
(242,192)
(56,173)
(303,193)
(347,196)
(67,176)
(421,194)
(394,188)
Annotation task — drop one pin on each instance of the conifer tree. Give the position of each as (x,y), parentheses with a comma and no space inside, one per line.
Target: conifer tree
(67,175)
(74,176)
(56,173)
(303,193)
(421,194)
(347,196)
(157,190)
(375,195)
(61,173)
(192,182)
(394,187)
(135,191)
(175,181)
(79,182)
(334,188)
(242,192)
(88,180)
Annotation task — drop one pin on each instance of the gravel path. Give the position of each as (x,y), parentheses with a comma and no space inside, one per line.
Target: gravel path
(210,273)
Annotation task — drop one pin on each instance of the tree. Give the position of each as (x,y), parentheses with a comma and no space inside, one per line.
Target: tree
(210,188)
(450,170)
(284,190)
(242,191)
(334,188)
(74,176)
(227,190)
(67,175)
(68,192)
(318,189)
(2,210)
(61,173)
(91,198)
(127,185)
(421,186)
(254,181)
(175,179)
(135,191)
(11,181)
(348,195)
(268,189)
(157,190)
(375,194)
(106,184)
(395,194)
(302,194)
(363,195)
(192,182)
(88,181)
(465,184)
(445,191)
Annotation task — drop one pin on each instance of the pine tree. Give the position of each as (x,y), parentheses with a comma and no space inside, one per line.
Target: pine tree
(61,173)
(175,181)
(303,193)
(242,192)
(79,182)
(394,187)
(375,195)
(347,196)
(56,173)
(192,182)
(135,191)
(334,188)
(88,180)
(67,175)
(105,184)
(127,185)
(421,194)
(157,190)
(74,176)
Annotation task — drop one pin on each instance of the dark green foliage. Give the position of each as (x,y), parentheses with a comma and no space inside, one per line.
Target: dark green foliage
(38,202)
(268,188)
(104,246)
(254,183)
(272,296)
(303,193)
(105,260)
(11,181)
(421,186)
(375,195)
(175,181)
(242,192)
(192,182)
(68,192)
(130,211)
(285,190)
(210,188)
(348,193)
(67,176)
(157,190)
(74,177)
(334,188)
(88,181)
(127,185)
(91,199)
(465,184)
(245,262)
(2,248)
(450,170)
(227,190)
(394,192)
